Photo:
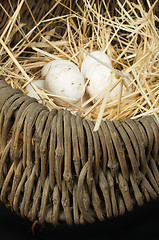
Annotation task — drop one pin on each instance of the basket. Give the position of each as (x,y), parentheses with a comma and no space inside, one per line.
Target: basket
(54,168)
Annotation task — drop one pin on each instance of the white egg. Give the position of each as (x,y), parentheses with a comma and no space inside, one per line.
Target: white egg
(116,91)
(31,91)
(53,63)
(89,61)
(64,79)
(98,76)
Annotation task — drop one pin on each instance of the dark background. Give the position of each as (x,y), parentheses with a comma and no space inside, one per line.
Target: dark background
(141,223)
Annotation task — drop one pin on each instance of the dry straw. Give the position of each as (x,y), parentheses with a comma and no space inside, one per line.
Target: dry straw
(130,39)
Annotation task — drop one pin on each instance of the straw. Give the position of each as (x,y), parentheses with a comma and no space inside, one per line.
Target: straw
(130,39)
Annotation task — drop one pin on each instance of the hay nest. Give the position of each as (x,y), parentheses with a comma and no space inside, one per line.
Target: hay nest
(53,166)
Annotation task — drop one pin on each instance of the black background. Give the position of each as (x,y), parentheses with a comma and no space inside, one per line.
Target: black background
(141,223)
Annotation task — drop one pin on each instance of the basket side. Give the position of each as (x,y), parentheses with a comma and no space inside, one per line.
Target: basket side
(54,168)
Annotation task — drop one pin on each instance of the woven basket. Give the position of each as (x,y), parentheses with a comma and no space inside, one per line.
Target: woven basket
(54,168)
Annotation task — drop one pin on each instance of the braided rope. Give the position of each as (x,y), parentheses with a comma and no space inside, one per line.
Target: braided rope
(54,168)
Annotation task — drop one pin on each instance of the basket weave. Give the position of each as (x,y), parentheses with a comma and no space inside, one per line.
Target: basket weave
(54,168)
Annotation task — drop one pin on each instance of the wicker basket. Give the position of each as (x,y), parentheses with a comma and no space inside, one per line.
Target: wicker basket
(54,168)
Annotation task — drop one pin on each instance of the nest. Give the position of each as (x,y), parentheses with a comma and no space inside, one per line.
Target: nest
(54,167)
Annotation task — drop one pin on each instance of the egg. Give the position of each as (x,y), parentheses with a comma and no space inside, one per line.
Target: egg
(99,76)
(116,91)
(63,78)
(54,63)
(31,91)
(89,61)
